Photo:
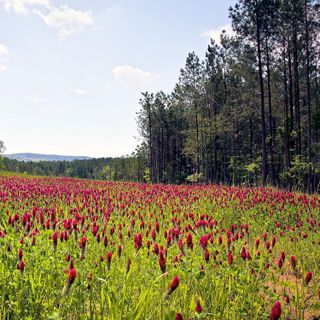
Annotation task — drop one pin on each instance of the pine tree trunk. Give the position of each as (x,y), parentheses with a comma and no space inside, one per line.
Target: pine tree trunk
(310,180)
(286,109)
(262,108)
(291,123)
(271,142)
(296,90)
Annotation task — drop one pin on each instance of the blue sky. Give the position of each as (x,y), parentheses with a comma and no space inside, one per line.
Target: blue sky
(71,72)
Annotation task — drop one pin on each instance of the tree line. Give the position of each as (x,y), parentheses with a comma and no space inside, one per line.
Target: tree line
(249,113)
(113,169)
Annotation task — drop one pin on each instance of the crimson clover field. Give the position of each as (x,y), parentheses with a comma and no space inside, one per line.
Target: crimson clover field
(80,249)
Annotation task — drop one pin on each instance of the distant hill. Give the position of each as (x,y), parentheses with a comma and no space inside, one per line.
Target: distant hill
(36,157)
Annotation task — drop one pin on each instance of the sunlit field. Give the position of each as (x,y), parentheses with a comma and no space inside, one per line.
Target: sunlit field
(79,249)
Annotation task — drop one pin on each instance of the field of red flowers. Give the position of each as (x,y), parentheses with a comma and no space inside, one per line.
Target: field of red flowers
(79,249)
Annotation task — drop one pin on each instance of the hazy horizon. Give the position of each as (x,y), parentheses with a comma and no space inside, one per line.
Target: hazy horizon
(46,154)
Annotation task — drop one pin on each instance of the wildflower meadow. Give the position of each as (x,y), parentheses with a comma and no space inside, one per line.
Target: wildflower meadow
(80,249)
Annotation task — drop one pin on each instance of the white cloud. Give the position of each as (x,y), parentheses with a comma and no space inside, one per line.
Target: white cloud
(114,10)
(4,52)
(23,6)
(215,33)
(108,85)
(133,76)
(3,66)
(66,21)
(78,91)
(33,98)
